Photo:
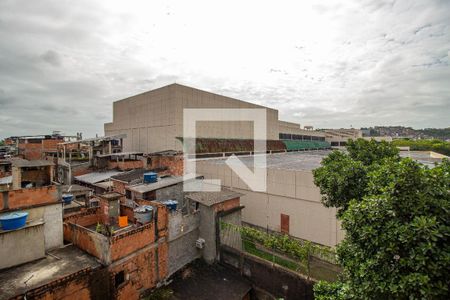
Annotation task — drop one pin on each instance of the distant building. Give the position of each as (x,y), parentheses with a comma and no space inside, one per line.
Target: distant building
(38,146)
(339,137)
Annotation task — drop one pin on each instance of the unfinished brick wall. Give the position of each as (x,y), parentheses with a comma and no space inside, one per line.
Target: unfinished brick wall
(30,151)
(86,284)
(163,219)
(140,274)
(64,288)
(149,195)
(163,259)
(138,253)
(227,205)
(125,165)
(174,163)
(118,186)
(29,197)
(81,169)
(40,176)
(90,241)
(86,217)
(129,212)
(4,173)
(33,151)
(131,241)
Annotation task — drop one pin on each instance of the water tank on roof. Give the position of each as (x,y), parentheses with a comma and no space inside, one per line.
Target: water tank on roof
(143,214)
(150,177)
(67,198)
(171,204)
(13,220)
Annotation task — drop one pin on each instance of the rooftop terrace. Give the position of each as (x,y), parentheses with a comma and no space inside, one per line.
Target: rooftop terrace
(58,264)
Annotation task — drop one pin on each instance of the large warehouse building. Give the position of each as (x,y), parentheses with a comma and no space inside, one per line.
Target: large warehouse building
(153,121)
(291,203)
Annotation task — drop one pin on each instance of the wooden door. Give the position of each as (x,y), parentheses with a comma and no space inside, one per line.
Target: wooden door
(285,223)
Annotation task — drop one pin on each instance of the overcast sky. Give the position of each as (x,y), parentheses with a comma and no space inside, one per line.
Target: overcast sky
(335,64)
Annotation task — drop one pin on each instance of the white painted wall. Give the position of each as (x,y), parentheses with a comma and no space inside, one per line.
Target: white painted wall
(52,216)
(21,245)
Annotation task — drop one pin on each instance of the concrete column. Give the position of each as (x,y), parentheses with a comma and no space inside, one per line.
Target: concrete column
(16,178)
(207,230)
(51,170)
(91,154)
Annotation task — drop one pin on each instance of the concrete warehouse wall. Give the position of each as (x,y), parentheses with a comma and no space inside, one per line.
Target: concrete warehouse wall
(294,128)
(154,119)
(22,245)
(291,193)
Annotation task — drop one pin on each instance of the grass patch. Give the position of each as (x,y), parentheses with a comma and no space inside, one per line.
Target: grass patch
(318,271)
(163,293)
(251,248)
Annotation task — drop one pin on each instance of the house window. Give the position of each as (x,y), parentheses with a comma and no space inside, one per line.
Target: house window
(119,278)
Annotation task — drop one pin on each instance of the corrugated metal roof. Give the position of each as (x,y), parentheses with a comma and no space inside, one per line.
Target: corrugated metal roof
(161,183)
(131,175)
(95,177)
(104,185)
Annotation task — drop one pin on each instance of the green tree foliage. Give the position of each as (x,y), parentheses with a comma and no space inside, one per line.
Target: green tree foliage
(397,243)
(340,180)
(370,152)
(330,291)
(343,176)
(439,133)
(438,146)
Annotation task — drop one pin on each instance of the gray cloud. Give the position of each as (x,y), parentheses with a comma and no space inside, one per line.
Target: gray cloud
(359,63)
(52,57)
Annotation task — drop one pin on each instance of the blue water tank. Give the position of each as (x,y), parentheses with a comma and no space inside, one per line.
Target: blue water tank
(150,177)
(171,204)
(67,198)
(13,220)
